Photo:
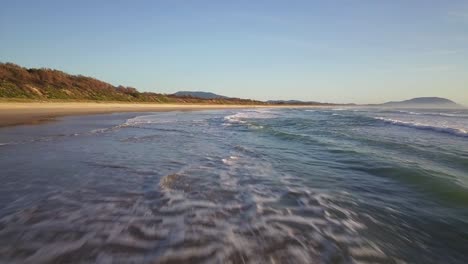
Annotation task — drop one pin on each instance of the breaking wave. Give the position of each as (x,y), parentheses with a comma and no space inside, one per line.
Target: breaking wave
(443,114)
(242,117)
(444,129)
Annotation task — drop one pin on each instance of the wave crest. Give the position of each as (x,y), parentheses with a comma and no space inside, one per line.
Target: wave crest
(444,129)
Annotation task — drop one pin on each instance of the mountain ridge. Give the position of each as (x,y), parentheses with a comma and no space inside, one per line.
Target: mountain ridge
(200,94)
(423,102)
(299,102)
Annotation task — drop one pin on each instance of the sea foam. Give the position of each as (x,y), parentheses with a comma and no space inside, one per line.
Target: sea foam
(441,128)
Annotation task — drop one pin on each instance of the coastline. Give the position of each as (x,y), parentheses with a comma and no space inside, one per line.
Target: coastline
(29,113)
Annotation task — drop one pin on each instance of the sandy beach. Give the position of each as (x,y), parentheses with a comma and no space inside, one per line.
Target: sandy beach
(19,113)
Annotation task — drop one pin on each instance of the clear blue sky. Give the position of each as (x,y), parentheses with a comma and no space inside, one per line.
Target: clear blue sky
(362,51)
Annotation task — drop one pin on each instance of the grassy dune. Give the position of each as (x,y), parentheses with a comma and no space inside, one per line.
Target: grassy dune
(19,83)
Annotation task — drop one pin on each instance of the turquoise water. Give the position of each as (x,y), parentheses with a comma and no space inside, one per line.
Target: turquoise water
(238,186)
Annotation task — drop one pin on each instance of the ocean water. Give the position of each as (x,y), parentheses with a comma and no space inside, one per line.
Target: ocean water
(238,186)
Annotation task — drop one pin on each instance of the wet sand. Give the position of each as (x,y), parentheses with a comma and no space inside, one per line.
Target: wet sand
(18,113)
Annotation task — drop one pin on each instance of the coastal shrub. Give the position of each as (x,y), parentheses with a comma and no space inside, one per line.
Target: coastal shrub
(45,83)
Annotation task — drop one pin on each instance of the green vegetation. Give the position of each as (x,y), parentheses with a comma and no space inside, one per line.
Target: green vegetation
(19,83)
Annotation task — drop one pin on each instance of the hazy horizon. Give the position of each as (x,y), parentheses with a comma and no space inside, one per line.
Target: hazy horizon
(327,51)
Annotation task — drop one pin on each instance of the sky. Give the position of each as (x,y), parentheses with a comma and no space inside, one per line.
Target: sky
(360,51)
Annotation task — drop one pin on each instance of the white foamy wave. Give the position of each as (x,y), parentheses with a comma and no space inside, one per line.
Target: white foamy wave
(162,118)
(450,114)
(99,130)
(453,114)
(255,126)
(108,129)
(241,213)
(236,118)
(408,112)
(230,161)
(140,121)
(146,119)
(442,128)
(348,109)
(435,114)
(241,117)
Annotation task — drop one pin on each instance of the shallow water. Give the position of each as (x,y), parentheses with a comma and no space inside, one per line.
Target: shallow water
(238,186)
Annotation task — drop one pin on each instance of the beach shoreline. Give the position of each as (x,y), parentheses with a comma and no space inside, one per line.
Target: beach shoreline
(30,113)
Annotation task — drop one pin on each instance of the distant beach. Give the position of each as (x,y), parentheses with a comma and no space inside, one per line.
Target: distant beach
(21,113)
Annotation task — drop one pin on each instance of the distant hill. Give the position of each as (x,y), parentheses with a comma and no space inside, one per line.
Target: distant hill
(199,94)
(17,82)
(424,102)
(296,102)
(286,102)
